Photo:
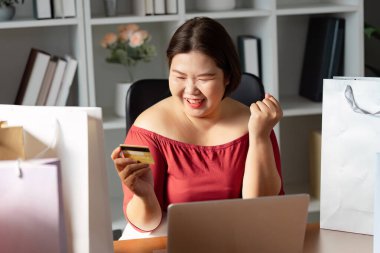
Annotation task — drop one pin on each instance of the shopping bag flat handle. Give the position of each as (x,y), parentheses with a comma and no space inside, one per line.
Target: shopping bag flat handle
(348,93)
(53,143)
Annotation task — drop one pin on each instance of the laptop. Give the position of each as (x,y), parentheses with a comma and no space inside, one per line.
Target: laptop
(266,224)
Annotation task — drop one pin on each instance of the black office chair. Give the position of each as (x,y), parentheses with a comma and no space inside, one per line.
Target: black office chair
(141,95)
(146,92)
(250,89)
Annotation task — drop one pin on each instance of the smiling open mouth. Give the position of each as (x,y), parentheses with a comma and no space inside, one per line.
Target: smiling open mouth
(194,103)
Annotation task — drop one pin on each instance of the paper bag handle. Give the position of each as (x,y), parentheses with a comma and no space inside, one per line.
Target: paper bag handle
(348,93)
(53,142)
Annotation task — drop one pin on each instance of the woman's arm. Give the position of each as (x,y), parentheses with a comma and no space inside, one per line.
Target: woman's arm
(261,176)
(143,209)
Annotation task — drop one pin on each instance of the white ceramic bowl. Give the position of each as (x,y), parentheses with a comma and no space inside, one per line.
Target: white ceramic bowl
(215,5)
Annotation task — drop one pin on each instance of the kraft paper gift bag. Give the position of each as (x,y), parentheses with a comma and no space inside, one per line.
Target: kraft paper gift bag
(75,136)
(350,141)
(11,142)
(31,219)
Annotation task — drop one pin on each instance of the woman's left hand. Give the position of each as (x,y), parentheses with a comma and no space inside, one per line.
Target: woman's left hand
(265,115)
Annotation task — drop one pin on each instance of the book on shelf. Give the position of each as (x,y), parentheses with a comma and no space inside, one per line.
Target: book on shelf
(171,6)
(64,8)
(159,7)
(154,7)
(67,81)
(149,7)
(42,9)
(32,78)
(323,56)
(56,82)
(46,82)
(139,7)
(249,49)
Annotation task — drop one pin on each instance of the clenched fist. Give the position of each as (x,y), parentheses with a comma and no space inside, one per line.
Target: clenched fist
(265,115)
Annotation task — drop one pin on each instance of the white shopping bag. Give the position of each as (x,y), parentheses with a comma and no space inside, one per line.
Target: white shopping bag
(350,141)
(75,136)
(31,214)
(376,232)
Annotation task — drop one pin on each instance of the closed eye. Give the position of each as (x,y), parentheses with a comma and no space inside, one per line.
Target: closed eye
(206,79)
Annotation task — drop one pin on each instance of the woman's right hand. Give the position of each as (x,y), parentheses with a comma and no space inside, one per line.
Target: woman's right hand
(136,176)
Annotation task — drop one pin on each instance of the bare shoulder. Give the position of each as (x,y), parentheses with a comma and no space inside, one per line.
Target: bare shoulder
(237,109)
(155,118)
(237,116)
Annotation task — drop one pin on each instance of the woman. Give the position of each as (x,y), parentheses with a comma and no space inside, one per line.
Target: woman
(205,145)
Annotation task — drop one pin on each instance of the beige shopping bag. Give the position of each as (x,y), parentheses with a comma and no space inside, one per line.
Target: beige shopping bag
(350,141)
(11,142)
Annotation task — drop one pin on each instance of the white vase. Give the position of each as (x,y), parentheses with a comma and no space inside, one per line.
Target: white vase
(215,5)
(7,13)
(120,94)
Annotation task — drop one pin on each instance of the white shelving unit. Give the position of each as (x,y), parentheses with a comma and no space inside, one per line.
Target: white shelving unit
(55,36)
(281,25)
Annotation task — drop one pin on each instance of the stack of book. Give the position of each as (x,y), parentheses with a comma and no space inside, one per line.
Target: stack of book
(155,7)
(323,57)
(46,80)
(47,9)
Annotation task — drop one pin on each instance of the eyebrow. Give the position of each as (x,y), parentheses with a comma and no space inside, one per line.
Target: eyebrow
(203,74)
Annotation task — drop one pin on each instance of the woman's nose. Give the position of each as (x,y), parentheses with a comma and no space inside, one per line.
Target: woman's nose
(190,85)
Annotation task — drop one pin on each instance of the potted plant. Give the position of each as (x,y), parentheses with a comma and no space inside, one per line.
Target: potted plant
(7,9)
(128,47)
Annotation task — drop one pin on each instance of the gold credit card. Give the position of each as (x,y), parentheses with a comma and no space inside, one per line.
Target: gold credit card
(138,153)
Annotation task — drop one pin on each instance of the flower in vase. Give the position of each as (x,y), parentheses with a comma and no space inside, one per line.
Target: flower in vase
(128,46)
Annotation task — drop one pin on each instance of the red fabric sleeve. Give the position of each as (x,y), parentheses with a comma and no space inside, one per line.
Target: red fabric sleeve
(277,157)
(158,169)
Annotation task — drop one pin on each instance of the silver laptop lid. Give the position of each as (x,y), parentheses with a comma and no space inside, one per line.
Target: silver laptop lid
(266,224)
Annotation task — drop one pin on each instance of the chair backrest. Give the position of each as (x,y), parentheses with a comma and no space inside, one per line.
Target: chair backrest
(250,90)
(141,95)
(146,92)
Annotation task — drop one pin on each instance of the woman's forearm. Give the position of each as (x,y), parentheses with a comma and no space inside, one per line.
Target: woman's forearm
(145,213)
(261,177)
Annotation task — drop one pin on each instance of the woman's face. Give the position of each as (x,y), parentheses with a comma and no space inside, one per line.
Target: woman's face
(197,83)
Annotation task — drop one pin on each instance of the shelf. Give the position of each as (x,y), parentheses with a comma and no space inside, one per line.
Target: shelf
(298,106)
(112,121)
(283,28)
(133,19)
(27,23)
(238,13)
(314,8)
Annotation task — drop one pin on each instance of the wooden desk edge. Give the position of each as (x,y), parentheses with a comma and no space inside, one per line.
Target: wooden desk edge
(140,245)
(148,244)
